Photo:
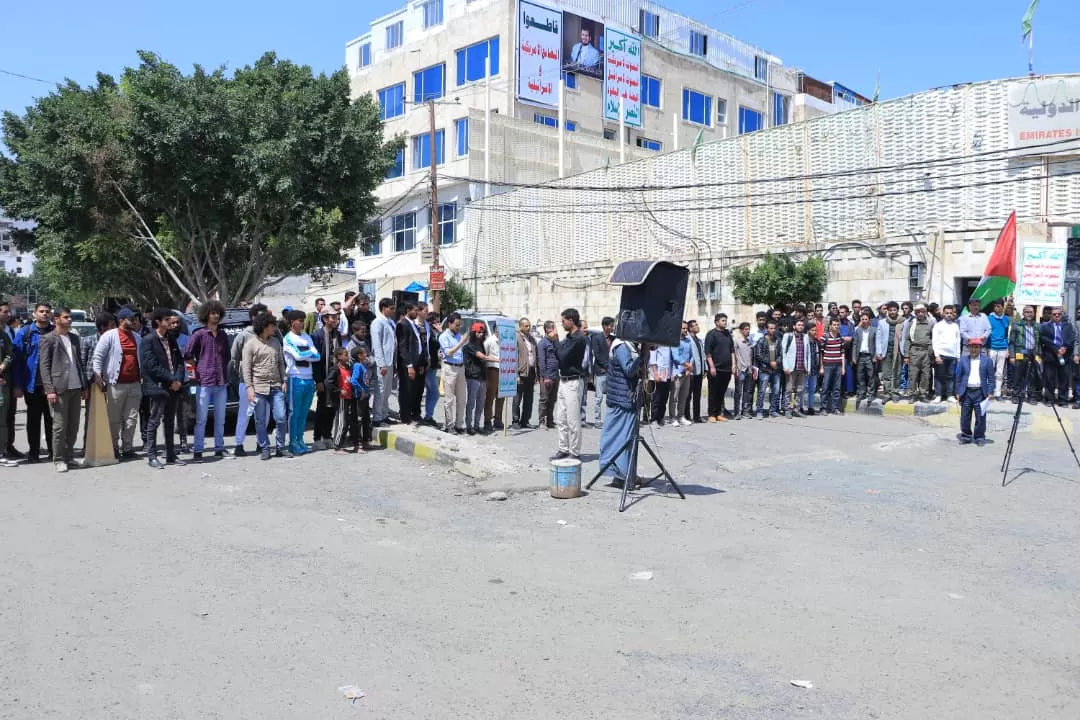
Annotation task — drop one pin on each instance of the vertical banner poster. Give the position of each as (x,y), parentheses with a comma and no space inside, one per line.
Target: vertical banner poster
(539,53)
(508,360)
(1041,278)
(622,77)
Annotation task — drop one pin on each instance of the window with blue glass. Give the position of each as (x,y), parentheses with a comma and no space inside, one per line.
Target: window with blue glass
(395,35)
(570,80)
(699,43)
(750,120)
(429,83)
(648,144)
(365,55)
(472,61)
(761,68)
(541,119)
(392,101)
(696,107)
(433,13)
(649,24)
(650,91)
(461,131)
(447,223)
(371,246)
(781,109)
(571,126)
(421,150)
(404,232)
(398,168)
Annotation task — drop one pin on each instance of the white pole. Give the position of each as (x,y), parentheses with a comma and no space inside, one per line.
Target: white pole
(1031,52)
(487,128)
(674,131)
(768,100)
(622,134)
(562,128)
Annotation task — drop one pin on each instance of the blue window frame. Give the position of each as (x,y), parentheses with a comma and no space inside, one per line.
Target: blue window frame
(472,61)
(447,223)
(781,105)
(570,80)
(421,150)
(461,131)
(365,55)
(650,91)
(750,120)
(372,246)
(699,43)
(697,107)
(541,119)
(392,101)
(395,35)
(403,228)
(398,168)
(429,83)
(761,68)
(433,13)
(648,144)
(649,24)
(571,126)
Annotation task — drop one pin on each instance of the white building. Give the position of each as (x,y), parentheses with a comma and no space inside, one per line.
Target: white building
(679,81)
(904,199)
(12,259)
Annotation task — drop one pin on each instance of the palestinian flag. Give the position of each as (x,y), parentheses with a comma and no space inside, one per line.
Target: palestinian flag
(999,278)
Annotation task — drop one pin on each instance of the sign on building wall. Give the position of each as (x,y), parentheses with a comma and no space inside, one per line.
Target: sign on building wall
(539,53)
(1042,274)
(622,77)
(1045,113)
(583,45)
(508,369)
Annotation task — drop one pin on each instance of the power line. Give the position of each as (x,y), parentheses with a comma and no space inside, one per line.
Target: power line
(985,156)
(27,77)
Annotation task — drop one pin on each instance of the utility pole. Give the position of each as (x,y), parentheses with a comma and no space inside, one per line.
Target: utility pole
(436,234)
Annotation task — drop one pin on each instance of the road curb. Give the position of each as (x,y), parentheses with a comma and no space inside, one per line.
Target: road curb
(423,451)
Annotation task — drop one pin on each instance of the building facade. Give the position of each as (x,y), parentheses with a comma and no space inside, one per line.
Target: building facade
(904,199)
(525,91)
(12,259)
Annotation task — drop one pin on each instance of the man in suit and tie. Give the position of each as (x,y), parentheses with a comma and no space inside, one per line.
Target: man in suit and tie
(1057,340)
(974,383)
(412,353)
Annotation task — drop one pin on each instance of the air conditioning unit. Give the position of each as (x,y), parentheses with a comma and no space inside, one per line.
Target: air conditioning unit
(707,290)
(916,273)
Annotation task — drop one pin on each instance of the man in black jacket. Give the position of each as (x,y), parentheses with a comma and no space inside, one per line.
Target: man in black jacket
(327,339)
(163,375)
(698,367)
(599,359)
(412,362)
(720,357)
(572,374)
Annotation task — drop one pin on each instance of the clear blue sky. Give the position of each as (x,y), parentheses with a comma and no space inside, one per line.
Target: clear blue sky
(916,44)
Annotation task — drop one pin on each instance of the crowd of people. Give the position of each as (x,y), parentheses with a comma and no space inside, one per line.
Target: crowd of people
(347,360)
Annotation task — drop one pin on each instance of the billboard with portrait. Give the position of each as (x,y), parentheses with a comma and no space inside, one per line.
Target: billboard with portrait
(539,53)
(583,45)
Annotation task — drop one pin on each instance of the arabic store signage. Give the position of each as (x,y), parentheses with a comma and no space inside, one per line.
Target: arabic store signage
(1045,112)
(1042,274)
(539,53)
(622,77)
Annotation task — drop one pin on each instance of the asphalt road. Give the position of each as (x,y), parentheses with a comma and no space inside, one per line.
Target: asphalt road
(869,556)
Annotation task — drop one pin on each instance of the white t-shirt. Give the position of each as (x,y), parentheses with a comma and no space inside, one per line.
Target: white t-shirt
(864,346)
(973,377)
(491,349)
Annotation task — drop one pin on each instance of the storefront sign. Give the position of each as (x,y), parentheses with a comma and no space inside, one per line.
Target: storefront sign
(1045,113)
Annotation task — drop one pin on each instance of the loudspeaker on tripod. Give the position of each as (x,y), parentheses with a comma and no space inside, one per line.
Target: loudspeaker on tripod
(653,301)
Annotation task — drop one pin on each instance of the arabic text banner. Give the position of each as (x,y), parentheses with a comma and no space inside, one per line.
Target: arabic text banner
(622,77)
(1042,274)
(539,53)
(508,360)
(1045,111)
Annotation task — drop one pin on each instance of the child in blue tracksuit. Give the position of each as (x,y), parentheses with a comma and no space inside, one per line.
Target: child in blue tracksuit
(361,371)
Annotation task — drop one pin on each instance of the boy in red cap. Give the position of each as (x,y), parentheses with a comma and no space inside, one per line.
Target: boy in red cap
(974,384)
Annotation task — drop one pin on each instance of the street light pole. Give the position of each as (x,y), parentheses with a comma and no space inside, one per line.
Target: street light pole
(436,234)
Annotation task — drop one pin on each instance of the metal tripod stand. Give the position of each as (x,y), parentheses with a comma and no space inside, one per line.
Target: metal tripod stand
(1016,421)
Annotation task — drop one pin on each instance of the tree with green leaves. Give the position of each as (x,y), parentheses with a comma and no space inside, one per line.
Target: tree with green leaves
(456,296)
(168,186)
(778,280)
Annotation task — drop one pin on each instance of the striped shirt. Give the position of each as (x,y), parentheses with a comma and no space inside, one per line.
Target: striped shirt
(832,350)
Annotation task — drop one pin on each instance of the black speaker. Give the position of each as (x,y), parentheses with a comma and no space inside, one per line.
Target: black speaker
(653,301)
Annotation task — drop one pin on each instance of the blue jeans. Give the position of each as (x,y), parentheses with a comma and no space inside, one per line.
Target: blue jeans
(265,405)
(945,374)
(769,380)
(431,392)
(219,396)
(830,392)
(241,414)
(301,392)
(970,403)
(811,390)
(600,381)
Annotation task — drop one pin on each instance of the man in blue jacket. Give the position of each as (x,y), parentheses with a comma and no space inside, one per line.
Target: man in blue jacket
(25,379)
(974,383)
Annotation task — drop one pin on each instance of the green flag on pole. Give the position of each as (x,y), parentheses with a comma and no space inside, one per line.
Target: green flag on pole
(1025,24)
